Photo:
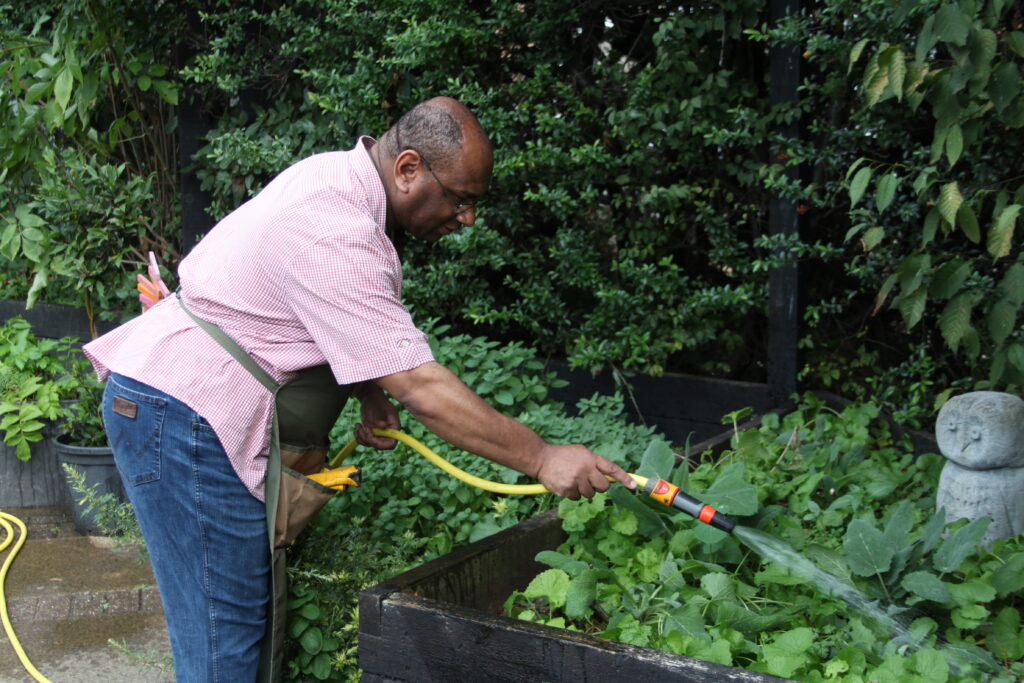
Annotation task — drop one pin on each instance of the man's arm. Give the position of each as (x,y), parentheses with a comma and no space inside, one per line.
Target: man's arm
(450,409)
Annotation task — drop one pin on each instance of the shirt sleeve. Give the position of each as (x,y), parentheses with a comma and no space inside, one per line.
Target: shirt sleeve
(345,290)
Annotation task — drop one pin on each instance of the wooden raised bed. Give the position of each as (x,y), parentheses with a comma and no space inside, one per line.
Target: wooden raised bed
(441,622)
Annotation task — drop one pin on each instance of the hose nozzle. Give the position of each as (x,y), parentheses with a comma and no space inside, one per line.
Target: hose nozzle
(671,495)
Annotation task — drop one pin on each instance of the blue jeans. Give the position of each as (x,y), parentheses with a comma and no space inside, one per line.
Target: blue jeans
(206,534)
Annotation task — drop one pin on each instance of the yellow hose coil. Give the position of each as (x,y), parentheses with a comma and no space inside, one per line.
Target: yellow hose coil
(5,522)
(461,475)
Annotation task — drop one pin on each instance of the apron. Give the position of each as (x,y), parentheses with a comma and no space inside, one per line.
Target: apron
(305,410)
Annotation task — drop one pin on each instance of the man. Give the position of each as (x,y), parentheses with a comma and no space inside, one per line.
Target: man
(304,273)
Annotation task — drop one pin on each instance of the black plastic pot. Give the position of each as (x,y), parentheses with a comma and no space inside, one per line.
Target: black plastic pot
(96,465)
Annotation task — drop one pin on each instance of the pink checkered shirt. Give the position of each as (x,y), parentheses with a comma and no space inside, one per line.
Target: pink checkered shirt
(301,274)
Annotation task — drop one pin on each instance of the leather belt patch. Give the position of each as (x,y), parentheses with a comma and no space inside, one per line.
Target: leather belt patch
(125,407)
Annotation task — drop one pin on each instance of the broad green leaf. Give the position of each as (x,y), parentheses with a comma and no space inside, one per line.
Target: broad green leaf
(1012,284)
(62,88)
(955,320)
(969,617)
(973,590)
(872,237)
(926,40)
(780,574)
(930,226)
(886,191)
(650,523)
(787,653)
(968,222)
(1004,85)
(949,202)
(1002,318)
(867,550)
(949,278)
(624,522)
(952,25)
(552,584)
(1000,235)
(930,665)
(912,271)
(557,560)
(912,307)
(875,78)
(883,293)
(855,53)
(853,167)
(658,460)
(954,143)
(901,521)
(1015,354)
(320,667)
(926,585)
(897,71)
(312,640)
(1015,39)
(859,185)
(686,619)
(718,586)
(581,595)
(1009,578)
(1004,639)
(955,549)
(731,494)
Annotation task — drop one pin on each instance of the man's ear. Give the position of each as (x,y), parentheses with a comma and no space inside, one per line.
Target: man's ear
(407,167)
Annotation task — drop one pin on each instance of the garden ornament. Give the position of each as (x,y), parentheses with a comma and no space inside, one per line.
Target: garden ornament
(981,434)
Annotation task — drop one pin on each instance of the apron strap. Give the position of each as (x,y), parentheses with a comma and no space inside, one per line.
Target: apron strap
(272,485)
(232,347)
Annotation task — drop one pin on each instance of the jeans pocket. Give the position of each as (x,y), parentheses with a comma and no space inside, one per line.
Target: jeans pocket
(134,422)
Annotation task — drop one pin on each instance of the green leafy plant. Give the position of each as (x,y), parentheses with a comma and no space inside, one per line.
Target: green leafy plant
(114,517)
(35,382)
(855,508)
(83,425)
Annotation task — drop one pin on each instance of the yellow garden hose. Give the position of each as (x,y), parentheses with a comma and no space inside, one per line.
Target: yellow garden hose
(461,475)
(5,522)
(658,489)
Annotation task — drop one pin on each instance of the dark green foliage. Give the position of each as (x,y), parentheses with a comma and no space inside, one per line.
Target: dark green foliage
(853,502)
(638,150)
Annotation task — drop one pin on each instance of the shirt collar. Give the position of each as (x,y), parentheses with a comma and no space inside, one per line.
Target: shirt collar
(367,173)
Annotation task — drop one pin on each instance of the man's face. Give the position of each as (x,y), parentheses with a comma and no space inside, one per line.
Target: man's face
(440,201)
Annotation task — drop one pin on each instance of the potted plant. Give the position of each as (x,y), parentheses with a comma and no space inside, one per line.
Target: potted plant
(82,448)
(35,387)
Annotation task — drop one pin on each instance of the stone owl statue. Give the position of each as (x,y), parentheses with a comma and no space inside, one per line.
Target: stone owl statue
(981,434)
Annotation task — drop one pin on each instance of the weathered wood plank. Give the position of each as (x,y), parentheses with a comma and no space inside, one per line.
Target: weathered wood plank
(426,640)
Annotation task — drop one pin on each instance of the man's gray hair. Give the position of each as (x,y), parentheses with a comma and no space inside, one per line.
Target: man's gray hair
(431,130)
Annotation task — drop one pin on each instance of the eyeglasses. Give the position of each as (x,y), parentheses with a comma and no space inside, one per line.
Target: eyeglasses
(461,205)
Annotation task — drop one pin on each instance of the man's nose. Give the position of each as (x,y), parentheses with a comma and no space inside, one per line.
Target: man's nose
(467,217)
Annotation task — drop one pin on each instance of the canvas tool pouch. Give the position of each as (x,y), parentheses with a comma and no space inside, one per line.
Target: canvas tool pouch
(305,410)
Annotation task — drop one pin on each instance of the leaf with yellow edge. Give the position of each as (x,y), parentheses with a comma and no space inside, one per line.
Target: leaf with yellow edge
(1000,235)
(954,143)
(855,52)
(950,200)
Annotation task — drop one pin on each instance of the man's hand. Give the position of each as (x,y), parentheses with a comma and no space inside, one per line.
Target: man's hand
(377,412)
(575,471)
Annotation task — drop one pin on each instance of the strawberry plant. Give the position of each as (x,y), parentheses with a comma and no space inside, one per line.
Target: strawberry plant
(861,580)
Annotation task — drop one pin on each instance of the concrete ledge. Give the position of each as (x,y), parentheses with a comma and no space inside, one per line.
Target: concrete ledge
(68,578)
